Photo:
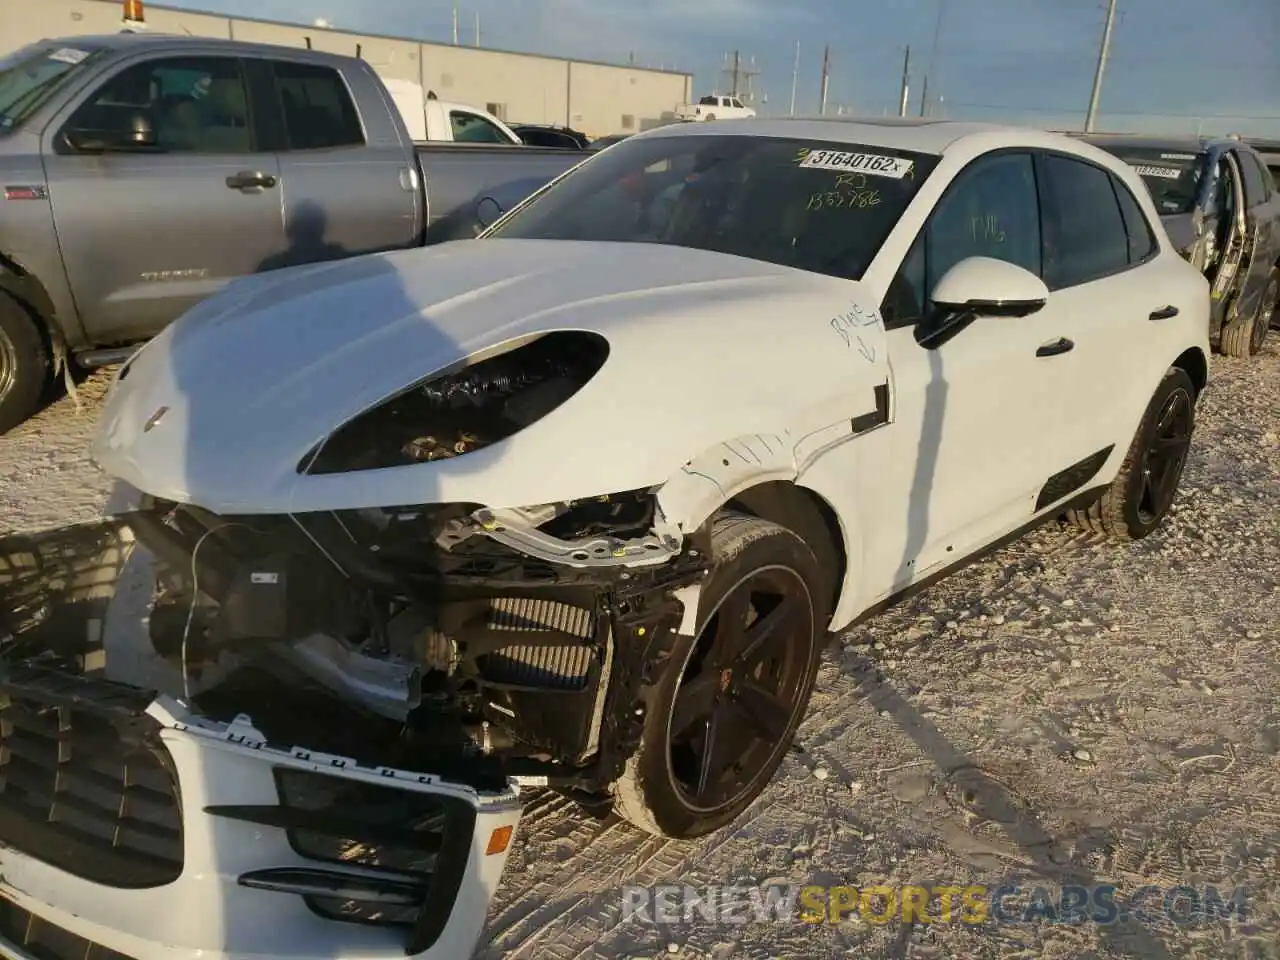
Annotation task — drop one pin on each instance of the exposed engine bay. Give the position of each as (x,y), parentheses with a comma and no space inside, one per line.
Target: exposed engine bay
(395,636)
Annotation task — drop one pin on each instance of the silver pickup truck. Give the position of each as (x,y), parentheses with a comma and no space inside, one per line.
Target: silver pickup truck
(141,173)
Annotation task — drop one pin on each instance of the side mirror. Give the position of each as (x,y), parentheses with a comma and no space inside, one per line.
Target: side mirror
(137,134)
(981,287)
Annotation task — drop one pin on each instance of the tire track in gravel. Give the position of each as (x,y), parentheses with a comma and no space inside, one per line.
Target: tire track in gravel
(593,910)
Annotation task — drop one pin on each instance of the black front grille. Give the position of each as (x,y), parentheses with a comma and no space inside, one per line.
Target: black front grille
(46,941)
(420,844)
(82,795)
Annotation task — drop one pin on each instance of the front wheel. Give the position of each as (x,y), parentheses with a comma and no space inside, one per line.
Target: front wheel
(1139,498)
(24,364)
(719,721)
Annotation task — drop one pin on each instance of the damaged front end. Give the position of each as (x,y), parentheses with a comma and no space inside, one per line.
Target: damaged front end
(171,675)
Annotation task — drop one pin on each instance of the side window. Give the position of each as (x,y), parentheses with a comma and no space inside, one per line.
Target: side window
(1088,240)
(192,105)
(473,128)
(735,102)
(990,210)
(317,107)
(1142,241)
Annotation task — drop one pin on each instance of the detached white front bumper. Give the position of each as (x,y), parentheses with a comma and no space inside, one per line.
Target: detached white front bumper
(241,887)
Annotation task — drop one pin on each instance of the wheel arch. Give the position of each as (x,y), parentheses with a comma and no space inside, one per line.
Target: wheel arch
(1196,365)
(27,291)
(808,515)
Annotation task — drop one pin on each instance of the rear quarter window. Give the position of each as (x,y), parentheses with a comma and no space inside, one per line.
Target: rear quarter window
(1142,239)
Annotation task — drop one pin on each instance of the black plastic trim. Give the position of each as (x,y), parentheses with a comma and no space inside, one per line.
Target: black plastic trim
(291,818)
(1066,482)
(877,417)
(310,882)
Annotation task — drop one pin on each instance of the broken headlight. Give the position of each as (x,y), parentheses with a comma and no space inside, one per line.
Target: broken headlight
(464,409)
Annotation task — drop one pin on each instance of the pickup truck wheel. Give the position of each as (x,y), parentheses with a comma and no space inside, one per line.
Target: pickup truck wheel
(721,717)
(1140,496)
(24,364)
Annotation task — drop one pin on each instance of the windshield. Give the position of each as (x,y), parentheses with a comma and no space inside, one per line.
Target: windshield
(816,206)
(1172,176)
(28,76)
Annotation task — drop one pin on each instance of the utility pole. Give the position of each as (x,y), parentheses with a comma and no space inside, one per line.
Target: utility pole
(740,77)
(933,58)
(795,77)
(906,83)
(1103,54)
(826,79)
(477,28)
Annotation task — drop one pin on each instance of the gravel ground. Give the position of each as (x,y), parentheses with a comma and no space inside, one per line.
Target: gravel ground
(1067,712)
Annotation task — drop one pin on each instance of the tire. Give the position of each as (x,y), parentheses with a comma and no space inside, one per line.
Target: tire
(1129,510)
(711,116)
(752,557)
(24,364)
(1242,338)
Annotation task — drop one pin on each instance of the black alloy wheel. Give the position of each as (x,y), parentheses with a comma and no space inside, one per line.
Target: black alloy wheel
(740,688)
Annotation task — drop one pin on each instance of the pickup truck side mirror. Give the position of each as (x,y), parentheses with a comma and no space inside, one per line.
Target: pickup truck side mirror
(980,287)
(136,134)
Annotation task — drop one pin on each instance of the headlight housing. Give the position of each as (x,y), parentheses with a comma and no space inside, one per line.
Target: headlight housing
(464,408)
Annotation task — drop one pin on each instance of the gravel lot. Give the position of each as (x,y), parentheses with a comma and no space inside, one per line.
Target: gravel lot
(1065,712)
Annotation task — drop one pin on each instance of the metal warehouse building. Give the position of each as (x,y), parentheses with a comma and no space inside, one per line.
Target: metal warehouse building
(597,98)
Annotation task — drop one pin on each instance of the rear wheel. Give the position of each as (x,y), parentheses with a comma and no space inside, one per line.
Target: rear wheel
(24,364)
(719,721)
(1244,336)
(1139,498)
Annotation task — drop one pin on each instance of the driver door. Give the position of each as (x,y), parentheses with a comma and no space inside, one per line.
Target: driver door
(975,419)
(147,233)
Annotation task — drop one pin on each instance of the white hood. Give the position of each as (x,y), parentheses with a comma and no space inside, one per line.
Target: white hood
(255,376)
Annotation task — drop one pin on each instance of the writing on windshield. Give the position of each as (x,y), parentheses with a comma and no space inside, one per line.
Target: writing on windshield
(817,206)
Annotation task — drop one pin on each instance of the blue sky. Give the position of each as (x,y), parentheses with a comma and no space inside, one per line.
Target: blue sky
(1176,64)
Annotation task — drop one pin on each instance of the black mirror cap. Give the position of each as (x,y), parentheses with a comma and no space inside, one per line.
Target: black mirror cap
(994,308)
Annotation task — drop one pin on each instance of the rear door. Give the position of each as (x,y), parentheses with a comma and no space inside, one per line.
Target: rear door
(148,232)
(1099,247)
(350,181)
(1262,228)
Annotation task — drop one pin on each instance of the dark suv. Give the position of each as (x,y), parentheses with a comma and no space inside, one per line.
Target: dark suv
(1221,207)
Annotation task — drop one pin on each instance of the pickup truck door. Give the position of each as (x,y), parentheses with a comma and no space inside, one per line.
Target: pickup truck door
(148,231)
(351,183)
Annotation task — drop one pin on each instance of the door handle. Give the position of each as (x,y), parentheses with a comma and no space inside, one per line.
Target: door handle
(250,179)
(1164,313)
(1055,347)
